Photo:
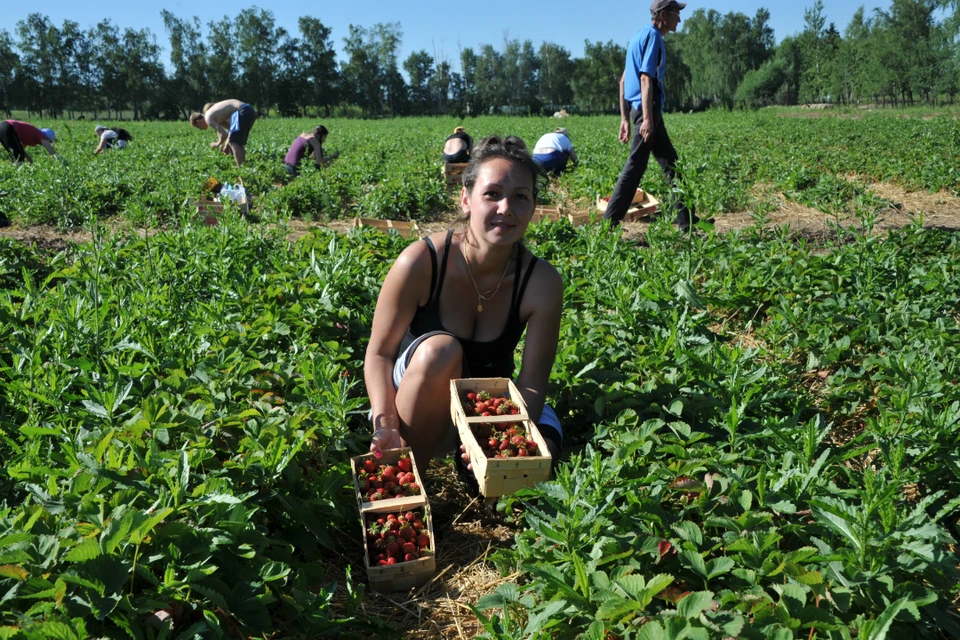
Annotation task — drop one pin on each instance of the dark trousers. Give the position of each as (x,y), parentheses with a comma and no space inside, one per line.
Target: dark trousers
(636,166)
(11,141)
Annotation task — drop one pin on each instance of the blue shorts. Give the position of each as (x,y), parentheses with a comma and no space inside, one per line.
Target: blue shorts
(241,121)
(548,417)
(554,162)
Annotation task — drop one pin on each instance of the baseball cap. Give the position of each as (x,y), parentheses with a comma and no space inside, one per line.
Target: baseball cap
(51,136)
(660,5)
(99,128)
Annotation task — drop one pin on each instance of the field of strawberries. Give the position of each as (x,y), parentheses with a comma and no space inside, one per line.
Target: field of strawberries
(390,168)
(762,434)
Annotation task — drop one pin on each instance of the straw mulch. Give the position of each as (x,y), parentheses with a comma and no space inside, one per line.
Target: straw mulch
(467,532)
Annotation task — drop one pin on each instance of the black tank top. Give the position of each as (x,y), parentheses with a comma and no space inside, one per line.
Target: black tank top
(493,359)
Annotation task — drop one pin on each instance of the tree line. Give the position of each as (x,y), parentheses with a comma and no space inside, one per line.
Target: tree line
(907,54)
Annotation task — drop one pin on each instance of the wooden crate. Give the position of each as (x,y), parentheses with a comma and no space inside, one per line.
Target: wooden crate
(404,575)
(498,476)
(405,228)
(642,206)
(542,213)
(390,456)
(453,173)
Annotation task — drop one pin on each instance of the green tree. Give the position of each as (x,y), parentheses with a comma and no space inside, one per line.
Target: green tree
(222,67)
(188,56)
(596,84)
(419,68)
(556,70)
(10,72)
(318,64)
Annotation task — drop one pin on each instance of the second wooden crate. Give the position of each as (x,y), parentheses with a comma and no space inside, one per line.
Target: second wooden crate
(498,476)
(453,173)
(402,575)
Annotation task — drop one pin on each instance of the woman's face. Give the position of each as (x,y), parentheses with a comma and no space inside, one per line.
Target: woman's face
(501,203)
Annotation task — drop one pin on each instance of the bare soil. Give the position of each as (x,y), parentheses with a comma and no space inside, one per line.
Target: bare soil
(936,210)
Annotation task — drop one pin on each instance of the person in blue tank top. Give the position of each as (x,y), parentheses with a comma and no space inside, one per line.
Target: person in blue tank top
(642,99)
(456,304)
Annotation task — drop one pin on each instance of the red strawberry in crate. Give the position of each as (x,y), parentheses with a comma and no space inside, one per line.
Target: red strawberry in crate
(405,464)
(423,541)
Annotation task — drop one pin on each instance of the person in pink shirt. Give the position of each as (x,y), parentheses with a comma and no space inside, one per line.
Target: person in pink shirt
(15,135)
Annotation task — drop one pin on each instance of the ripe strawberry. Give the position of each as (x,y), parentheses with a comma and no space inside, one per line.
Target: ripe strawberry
(522,453)
(413,489)
(369,465)
(389,486)
(379,494)
(504,445)
(423,541)
(410,557)
(388,474)
(407,533)
(471,396)
(409,547)
(405,464)
(393,548)
(409,517)
(531,446)
(418,524)
(391,560)
(383,563)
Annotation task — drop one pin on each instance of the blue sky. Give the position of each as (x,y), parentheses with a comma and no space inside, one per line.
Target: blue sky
(440,27)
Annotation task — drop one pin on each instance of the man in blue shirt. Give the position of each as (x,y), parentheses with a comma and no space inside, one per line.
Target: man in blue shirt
(642,96)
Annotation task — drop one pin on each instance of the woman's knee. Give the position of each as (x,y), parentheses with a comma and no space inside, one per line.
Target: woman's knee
(439,354)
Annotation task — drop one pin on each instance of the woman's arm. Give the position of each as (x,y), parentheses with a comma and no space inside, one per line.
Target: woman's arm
(317,151)
(544,299)
(49,147)
(103,143)
(404,289)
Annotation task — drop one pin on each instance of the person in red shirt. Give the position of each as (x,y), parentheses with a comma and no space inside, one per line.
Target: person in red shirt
(15,135)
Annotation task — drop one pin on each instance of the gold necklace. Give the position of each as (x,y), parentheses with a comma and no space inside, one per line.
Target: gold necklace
(482,296)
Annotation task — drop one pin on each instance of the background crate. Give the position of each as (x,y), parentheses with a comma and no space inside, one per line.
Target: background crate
(498,476)
(404,575)
(642,206)
(405,228)
(542,213)
(390,456)
(453,173)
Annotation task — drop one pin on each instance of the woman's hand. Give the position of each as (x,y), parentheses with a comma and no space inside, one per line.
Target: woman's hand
(386,434)
(466,456)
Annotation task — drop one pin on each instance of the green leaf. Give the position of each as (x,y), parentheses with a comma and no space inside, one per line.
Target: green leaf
(693,604)
(885,620)
(86,550)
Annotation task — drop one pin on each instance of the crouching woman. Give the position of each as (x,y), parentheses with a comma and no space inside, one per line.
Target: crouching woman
(456,304)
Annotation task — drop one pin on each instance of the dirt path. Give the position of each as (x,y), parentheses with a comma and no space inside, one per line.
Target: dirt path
(938,210)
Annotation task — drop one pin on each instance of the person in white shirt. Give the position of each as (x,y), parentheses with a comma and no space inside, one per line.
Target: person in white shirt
(111,138)
(553,150)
